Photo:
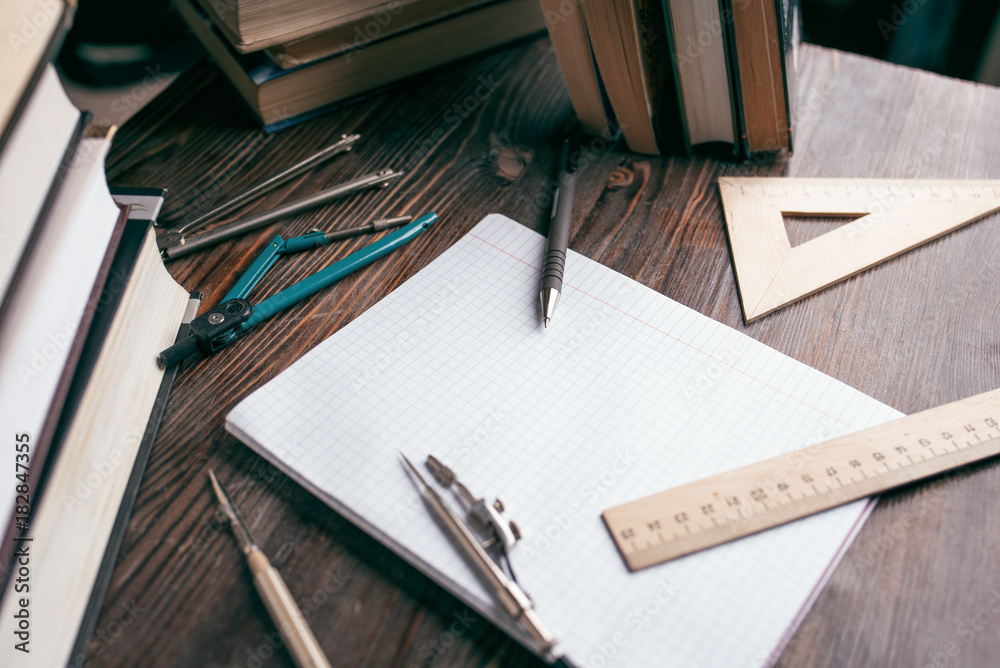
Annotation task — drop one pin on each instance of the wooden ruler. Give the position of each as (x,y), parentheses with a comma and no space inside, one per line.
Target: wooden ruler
(772,492)
(894,216)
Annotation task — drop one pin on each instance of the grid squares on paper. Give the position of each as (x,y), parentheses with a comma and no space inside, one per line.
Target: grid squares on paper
(626,394)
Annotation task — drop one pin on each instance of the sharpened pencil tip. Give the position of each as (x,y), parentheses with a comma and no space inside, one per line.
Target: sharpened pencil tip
(215,481)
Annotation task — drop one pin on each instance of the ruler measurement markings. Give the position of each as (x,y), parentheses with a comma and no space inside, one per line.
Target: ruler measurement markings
(767,519)
(936,206)
(748,490)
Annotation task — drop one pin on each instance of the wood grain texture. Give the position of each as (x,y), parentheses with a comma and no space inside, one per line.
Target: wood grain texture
(894,216)
(914,332)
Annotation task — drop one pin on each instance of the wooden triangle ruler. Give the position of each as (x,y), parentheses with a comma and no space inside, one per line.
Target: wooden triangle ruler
(895,215)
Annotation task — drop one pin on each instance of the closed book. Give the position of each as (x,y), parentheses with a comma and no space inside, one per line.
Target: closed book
(32,30)
(353,36)
(280,98)
(614,30)
(703,67)
(70,511)
(39,150)
(252,25)
(764,34)
(568,32)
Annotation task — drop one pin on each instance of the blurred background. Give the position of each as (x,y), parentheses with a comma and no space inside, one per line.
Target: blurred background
(958,38)
(116,44)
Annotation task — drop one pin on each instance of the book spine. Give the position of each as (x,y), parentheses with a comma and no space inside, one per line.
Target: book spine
(613,28)
(727,26)
(790,31)
(669,122)
(675,75)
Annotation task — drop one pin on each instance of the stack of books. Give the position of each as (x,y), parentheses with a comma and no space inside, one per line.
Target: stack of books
(85,306)
(675,73)
(293,59)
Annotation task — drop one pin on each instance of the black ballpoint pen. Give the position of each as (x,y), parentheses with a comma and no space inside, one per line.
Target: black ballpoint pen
(555,251)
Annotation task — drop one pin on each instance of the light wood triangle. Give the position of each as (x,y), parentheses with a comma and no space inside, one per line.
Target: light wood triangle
(895,216)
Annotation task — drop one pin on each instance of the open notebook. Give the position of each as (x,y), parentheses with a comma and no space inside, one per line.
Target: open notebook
(625,394)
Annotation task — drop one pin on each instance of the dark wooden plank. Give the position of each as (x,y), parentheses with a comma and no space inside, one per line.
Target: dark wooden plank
(914,332)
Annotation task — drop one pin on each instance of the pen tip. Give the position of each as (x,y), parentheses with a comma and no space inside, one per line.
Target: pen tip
(547,321)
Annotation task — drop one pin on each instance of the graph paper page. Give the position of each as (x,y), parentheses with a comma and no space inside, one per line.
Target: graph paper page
(625,394)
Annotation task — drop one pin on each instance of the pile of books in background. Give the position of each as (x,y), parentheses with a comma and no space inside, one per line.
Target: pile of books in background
(292,59)
(675,73)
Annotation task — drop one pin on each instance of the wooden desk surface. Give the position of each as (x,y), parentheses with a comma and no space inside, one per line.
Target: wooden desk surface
(920,586)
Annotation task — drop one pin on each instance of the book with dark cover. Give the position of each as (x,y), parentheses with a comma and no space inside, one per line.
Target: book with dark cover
(790,22)
(656,37)
(728,27)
